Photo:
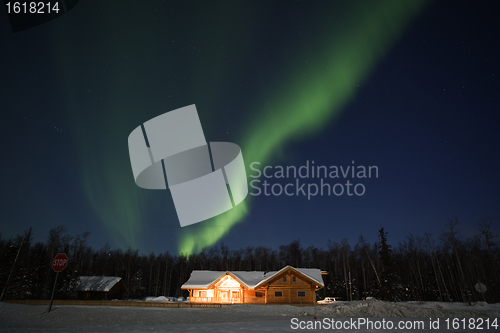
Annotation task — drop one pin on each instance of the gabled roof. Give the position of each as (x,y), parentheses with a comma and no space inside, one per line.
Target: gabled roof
(312,274)
(251,279)
(204,279)
(97,283)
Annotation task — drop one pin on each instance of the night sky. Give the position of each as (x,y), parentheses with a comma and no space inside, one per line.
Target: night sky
(410,87)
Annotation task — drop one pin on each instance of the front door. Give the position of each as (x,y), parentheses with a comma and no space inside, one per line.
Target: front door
(224,296)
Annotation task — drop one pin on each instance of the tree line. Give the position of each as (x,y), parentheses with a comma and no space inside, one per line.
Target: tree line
(421,268)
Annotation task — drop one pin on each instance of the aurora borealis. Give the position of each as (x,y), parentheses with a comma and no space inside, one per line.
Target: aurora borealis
(312,96)
(408,86)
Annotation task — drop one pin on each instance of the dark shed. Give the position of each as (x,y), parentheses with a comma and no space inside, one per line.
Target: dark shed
(100,288)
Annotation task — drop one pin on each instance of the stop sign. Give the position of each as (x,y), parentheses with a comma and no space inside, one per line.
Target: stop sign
(59,262)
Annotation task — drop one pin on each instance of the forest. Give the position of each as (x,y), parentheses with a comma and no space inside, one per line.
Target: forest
(447,267)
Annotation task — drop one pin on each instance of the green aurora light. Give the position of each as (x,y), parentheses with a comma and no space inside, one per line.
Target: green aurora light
(313,97)
(101,124)
(307,98)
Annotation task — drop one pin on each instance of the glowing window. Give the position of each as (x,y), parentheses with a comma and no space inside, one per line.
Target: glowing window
(205,293)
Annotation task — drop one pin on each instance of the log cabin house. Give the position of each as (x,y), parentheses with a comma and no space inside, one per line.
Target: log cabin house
(287,286)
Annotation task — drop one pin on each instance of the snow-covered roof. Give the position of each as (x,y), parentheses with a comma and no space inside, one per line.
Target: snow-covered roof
(204,279)
(251,279)
(312,273)
(97,283)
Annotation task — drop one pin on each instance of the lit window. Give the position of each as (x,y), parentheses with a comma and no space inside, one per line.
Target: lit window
(301,294)
(278,294)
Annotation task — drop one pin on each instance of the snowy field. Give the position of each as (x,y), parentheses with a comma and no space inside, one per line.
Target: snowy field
(247,318)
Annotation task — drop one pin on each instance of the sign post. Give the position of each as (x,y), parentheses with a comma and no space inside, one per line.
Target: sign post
(58,264)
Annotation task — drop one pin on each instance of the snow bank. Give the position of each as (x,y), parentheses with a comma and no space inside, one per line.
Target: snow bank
(242,318)
(158,299)
(376,308)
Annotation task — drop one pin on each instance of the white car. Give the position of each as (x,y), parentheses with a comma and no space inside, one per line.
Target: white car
(329,300)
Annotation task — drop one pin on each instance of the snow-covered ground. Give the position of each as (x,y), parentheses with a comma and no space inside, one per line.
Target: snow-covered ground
(243,318)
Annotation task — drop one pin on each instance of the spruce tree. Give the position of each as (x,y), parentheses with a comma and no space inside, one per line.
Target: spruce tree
(390,287)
